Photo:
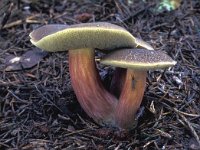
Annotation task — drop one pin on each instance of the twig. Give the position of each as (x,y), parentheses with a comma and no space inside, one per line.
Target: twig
(192,130)
(29,20)
(2,144)
(76,132)
(186,114)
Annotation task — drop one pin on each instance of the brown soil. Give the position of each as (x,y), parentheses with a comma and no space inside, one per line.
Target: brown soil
(38,108)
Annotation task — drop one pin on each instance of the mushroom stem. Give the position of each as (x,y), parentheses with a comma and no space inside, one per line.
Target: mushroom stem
(92,96)
(130,98)
(117,81)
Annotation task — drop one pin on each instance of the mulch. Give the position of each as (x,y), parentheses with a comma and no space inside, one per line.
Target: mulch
(38,108)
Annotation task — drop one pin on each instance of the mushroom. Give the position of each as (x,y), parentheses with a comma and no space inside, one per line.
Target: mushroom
(137,62)
(120,73)
(142,44)
(81,40)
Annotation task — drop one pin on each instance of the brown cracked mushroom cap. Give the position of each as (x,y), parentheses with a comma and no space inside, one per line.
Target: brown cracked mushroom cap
(138,59)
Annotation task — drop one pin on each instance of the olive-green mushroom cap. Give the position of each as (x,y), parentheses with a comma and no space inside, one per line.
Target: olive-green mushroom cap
(142,44)
(100,35)
(138,59)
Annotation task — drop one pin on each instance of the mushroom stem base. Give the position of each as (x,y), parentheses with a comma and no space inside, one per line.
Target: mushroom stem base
(130,98)
(92,96)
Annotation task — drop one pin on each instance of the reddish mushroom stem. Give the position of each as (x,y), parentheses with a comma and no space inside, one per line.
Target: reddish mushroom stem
(117,81)
(92,96)
(130,98)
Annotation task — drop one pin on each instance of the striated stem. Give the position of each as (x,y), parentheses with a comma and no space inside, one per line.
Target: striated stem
(92,96)
(130,99)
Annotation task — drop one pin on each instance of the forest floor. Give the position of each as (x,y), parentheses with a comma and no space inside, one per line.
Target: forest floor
(38,107)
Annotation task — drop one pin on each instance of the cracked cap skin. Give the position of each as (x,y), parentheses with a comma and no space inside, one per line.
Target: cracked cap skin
(141,59)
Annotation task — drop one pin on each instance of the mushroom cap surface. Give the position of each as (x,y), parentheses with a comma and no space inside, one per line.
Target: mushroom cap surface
(99,35)
(143,44)
(138,59)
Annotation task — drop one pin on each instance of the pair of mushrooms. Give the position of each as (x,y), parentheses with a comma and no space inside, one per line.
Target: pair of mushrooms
(129,84)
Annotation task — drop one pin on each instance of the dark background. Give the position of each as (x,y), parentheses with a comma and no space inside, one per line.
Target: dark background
(38,108)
